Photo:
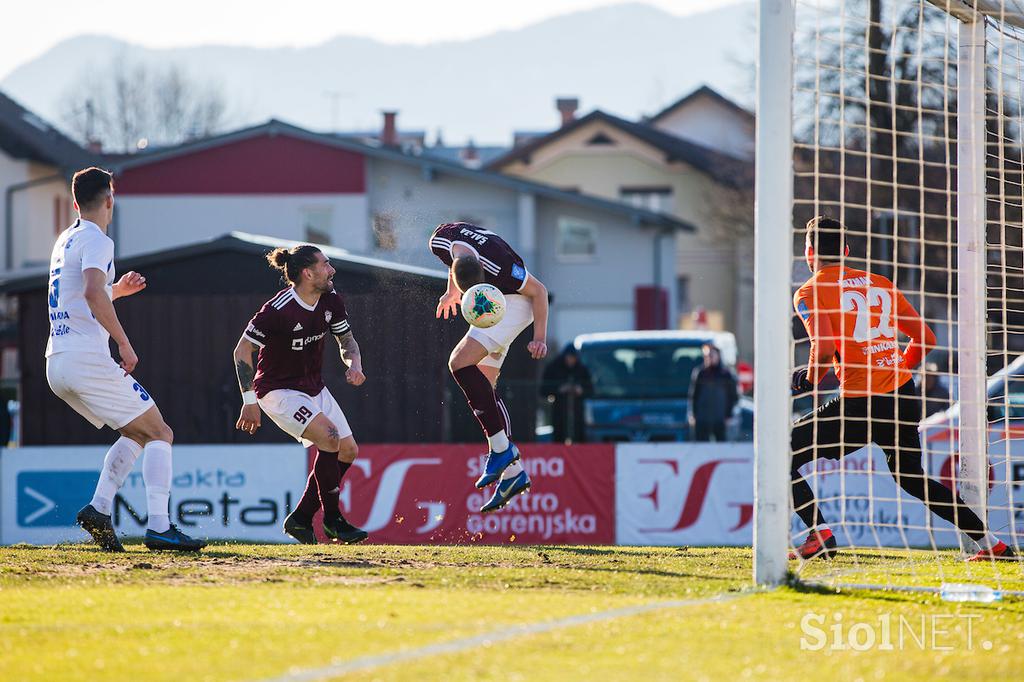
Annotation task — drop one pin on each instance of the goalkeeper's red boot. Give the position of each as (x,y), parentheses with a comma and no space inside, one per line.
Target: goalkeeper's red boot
(1001,552)
(821,543)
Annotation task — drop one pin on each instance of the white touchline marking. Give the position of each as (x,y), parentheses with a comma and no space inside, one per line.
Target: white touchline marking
(492,637)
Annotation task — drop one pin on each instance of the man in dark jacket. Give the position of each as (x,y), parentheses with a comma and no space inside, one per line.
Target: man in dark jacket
(566,384)
(712,397)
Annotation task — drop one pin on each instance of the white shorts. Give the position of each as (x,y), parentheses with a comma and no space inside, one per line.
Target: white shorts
(294,411)
(498,339)
(96,388)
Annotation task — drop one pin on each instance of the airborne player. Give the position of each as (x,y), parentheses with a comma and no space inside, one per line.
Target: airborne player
(474,255)
(289,332)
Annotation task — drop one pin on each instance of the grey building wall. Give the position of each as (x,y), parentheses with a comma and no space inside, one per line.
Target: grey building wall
(597,294)
(590,294)
(415,204)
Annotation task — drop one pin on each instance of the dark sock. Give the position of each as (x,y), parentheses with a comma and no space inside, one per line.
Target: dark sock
(310,500)
(328,480)
(505,417)
(804,504)
(342,469)
(481,398)
(941,501)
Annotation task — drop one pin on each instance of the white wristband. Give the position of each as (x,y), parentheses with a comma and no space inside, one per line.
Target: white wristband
(249,398)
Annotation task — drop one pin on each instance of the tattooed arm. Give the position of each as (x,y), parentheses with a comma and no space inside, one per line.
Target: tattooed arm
(352,359)
(249,419)
(243,363)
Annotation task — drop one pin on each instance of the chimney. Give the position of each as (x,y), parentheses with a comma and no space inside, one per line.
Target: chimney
(470,156)
(389,134)
(567,108)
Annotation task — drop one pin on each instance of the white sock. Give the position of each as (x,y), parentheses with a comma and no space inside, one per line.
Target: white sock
(513,469)
(988,542)
(498,442)
(116,466)
(156,472)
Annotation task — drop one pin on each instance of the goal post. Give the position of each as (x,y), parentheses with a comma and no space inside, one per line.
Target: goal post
(971,242)
(773,216)
(904,120)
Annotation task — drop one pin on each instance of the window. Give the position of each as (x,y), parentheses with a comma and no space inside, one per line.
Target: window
(385,237)
(1008,402)
(61,214)
(316,225)
(600,139)
(683,294)
(577,240)
(656,370)
(657,199)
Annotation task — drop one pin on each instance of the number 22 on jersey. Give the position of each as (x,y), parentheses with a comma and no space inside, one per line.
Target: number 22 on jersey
(862,305)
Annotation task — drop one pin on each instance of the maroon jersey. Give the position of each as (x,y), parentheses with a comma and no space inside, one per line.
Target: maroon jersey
(290,336)
(502,265)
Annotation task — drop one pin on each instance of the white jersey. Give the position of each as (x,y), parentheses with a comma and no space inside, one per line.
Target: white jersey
(72,325)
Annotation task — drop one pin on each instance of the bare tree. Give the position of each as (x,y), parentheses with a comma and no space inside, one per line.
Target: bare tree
(129,105)
(876,140)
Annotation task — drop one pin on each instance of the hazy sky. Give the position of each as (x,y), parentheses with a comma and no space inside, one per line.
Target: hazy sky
(31,27)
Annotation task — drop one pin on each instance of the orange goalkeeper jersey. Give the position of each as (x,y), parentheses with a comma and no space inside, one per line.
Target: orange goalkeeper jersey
(860,314)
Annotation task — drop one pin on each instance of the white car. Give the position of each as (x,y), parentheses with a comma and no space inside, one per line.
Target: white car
(1005,413)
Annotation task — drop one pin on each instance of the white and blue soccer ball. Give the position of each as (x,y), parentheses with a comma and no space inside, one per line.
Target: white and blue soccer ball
(483,305)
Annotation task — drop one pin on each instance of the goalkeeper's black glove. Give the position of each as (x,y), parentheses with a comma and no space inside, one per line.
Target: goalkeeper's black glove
(800,382)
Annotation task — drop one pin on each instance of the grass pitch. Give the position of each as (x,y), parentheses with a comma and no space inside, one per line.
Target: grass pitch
(275,612)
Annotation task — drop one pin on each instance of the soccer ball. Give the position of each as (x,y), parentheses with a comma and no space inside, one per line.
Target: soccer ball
(483,305)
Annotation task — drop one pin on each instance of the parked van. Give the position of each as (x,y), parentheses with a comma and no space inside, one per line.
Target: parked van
(642,381)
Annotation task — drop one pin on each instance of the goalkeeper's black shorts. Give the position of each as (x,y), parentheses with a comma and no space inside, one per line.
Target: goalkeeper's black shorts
(844,425)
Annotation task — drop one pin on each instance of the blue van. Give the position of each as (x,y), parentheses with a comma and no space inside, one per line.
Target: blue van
(642,380)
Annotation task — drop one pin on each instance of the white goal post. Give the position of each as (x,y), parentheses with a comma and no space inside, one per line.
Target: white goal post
(970,244)
(967,42)
(773,223)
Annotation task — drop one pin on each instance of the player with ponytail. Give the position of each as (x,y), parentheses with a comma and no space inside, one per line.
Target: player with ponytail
(287,384)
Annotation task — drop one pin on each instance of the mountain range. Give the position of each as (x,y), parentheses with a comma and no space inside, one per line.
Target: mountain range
(629,59)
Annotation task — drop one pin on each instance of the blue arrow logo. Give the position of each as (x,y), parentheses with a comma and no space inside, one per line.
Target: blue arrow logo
(48,499)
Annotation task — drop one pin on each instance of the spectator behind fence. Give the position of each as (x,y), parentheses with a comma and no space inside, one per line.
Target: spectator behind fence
(566,384)
(712,397)
(936,397)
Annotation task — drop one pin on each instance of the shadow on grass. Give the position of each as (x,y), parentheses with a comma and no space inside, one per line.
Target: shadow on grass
(660,552)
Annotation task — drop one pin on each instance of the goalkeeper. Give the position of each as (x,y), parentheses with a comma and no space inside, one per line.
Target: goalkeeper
(852,317)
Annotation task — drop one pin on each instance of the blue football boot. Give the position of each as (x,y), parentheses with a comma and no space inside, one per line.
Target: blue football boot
(506,490)
(496,463)
(172,539)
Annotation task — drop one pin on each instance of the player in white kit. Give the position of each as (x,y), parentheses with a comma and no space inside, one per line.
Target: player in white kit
(82,373)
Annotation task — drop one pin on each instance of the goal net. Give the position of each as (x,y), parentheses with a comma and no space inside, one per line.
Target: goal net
(902,120)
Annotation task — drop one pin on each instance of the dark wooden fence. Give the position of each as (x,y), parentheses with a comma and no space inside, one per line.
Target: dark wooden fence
(185,325)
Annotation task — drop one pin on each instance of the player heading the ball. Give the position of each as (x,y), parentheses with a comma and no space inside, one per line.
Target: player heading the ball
(852,317)
(474,255)
(81,372)
(288,332)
